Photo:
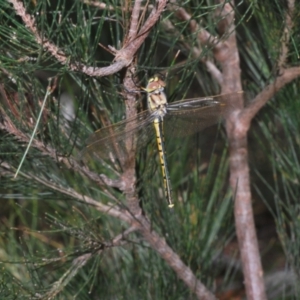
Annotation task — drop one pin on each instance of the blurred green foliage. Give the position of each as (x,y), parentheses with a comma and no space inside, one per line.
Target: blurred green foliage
(54,246)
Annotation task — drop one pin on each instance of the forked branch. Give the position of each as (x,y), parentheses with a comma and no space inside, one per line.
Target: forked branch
(123,57)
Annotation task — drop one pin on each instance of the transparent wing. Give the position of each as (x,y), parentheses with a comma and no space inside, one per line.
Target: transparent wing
(117,140)
(183,117)
(193,115)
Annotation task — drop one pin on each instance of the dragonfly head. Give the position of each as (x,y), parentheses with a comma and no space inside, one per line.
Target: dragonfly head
(155,85)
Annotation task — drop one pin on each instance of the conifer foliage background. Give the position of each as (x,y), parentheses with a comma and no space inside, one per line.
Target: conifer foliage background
(73,228)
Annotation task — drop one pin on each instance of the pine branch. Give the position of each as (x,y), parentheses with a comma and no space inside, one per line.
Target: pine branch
(123,57)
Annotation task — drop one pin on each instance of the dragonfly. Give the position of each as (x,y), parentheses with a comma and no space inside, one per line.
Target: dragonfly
(178,118)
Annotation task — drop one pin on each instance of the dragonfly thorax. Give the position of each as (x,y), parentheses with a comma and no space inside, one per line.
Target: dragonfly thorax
(157,102)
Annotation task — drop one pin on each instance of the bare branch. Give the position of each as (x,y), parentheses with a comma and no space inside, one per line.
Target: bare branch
(286,76)
(203,35)
(123,57)
(107,209)
(134,23)
(129,50)
(57,286)
(204,38)
(129,175)
(173,260)
(70,163)
(29,22)
(120,237)
(289,24)
(228,56)
(80,261)
(116,183)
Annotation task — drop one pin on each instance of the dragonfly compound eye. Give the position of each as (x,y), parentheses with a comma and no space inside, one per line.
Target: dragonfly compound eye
(155,86)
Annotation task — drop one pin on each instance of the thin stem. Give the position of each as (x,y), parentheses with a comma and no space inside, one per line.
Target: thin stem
(48,92)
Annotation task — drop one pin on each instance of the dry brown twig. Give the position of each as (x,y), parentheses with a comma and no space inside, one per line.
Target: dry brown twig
(123,57)
(204,39)
(285,75)
(80,261)
(285,39)
(134,22)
